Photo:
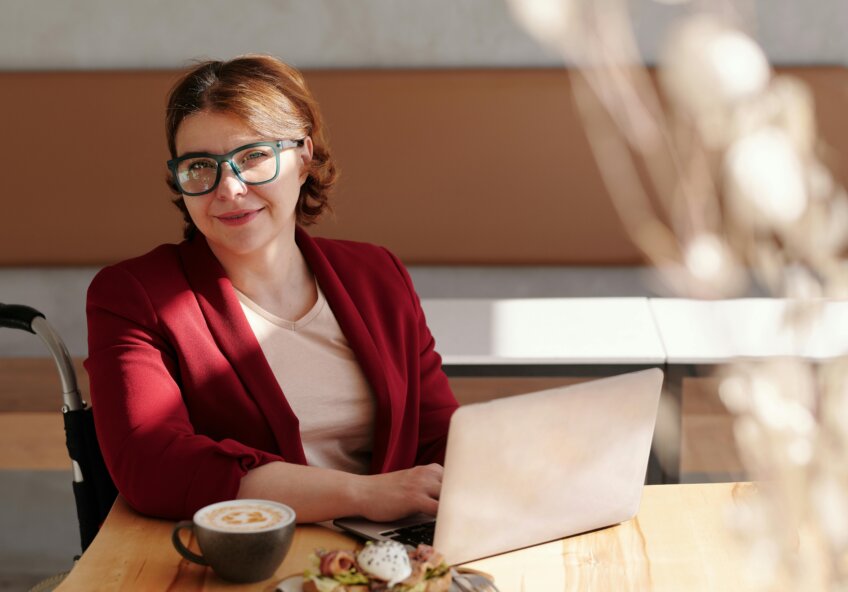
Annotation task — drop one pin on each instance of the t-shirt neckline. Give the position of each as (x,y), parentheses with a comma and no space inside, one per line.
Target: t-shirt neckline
(279,321)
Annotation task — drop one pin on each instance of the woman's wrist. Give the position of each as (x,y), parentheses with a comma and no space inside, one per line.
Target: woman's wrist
(356,491)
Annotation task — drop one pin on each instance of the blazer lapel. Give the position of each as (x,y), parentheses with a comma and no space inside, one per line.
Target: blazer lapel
(227,324)
(355,329)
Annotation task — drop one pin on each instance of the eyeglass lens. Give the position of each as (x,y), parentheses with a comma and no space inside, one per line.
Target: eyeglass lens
(256,164)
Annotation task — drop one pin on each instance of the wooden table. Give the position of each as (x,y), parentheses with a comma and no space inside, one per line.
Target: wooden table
(678,541)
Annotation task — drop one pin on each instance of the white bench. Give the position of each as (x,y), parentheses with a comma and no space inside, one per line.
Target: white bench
(549,337)
(704,332)
(605,336)
(529,333)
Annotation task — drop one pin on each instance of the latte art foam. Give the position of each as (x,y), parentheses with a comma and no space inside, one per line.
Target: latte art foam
(243,517)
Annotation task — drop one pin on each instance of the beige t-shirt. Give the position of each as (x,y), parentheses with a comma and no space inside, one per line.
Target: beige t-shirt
(322,381)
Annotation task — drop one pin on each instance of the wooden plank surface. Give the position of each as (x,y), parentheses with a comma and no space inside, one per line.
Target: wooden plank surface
(33,441)
(31,434)
(707,444)
(470,166)
(433,166)
(32,384)
(679,541)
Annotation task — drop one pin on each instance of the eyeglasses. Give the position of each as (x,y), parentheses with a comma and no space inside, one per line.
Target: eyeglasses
(199,173)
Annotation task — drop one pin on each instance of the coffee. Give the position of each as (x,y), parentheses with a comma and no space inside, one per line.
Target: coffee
(242,540)
(243,517)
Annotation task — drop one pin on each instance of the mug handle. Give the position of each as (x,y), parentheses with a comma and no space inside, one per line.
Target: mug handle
(178,544)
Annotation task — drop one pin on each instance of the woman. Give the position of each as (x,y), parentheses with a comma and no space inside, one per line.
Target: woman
(252,360)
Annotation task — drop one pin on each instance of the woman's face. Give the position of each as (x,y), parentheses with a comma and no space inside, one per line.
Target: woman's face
(239,219)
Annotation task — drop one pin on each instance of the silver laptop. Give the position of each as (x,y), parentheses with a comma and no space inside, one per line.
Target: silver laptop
(533,468)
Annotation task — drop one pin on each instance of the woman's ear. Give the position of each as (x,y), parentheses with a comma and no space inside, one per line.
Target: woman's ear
(305,158)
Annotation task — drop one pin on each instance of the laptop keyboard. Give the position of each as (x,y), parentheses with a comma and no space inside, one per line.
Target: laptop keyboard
(413,535)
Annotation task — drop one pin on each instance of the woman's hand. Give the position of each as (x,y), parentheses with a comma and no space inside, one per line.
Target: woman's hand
(390,496)
(318,494)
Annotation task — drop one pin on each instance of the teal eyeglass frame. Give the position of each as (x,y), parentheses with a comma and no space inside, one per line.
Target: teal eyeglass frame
(220,159)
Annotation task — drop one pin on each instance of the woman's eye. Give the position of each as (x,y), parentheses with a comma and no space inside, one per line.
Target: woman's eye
(198,165)
(252,158)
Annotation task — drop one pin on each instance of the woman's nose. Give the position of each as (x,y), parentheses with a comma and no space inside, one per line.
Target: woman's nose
(230,185)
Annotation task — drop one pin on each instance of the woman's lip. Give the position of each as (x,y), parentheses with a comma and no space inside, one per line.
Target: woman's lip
(238,217)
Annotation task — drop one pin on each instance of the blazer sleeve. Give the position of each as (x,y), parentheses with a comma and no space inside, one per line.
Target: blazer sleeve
(157,461)
(437,401)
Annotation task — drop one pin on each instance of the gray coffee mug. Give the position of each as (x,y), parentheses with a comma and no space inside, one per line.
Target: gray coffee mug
(241,540)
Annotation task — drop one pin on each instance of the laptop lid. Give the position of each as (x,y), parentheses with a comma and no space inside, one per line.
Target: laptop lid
(532,468)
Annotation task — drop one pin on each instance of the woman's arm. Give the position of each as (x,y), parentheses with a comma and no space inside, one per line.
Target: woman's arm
(437,401)
(318,494)
(154,455)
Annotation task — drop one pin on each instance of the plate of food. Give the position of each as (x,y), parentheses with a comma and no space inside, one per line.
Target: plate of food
(385,566)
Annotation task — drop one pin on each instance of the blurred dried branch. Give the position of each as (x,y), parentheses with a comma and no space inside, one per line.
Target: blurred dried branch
(717,170)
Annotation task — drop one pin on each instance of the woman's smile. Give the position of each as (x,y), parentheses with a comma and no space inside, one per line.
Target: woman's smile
(238,217)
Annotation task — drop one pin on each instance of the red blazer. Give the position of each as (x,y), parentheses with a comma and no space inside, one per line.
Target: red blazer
(184,400)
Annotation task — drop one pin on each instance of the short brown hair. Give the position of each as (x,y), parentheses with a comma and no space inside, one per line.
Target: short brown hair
(272,98)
